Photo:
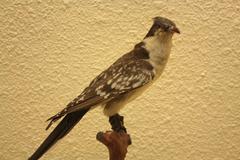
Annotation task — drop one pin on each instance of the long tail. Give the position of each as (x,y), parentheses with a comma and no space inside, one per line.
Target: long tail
(62,129)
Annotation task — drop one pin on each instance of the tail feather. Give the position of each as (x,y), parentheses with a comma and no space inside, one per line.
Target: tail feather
(62,129)
(52,120)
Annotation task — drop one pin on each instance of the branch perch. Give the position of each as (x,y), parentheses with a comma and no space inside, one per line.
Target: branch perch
(117,141)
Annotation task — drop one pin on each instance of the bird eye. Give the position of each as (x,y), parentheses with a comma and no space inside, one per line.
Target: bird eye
(167,28)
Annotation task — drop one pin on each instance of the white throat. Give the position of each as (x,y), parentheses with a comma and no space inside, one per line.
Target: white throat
(159,48)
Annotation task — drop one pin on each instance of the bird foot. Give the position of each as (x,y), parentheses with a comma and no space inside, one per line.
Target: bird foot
(117,123)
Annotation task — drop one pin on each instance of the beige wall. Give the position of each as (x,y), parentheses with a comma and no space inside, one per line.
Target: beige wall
(51,50)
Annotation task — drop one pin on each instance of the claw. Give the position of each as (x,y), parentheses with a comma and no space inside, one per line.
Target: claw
(117,123)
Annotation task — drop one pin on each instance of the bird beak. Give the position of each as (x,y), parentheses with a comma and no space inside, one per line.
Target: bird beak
(174,30)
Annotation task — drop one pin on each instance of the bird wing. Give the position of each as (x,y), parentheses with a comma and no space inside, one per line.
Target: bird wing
(129,72)
(122,77)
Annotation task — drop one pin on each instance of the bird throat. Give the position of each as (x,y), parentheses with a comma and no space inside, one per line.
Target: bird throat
(159,48)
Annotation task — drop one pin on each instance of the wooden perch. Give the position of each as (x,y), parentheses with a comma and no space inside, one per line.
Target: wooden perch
(117,141)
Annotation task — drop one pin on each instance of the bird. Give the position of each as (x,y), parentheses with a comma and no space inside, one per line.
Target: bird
(122,82)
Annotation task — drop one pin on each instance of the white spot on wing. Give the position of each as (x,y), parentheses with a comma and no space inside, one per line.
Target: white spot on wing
(80,99)
(119,79)
(117,86)
(122,87)
(105,76)
(106,96)
(99,87)
(137,84)
(116,75)
(130,78)
(120,69)
(101,93)
(109,81)
(113,85)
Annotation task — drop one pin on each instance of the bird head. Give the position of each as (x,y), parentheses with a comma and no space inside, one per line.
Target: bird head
(162,27)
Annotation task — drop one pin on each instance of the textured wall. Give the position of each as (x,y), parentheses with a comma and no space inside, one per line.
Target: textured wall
(50,50)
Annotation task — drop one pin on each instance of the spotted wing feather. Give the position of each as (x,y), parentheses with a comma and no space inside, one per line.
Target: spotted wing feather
(126,74)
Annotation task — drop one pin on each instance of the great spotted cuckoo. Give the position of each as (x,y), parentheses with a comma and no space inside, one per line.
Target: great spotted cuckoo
(122,82)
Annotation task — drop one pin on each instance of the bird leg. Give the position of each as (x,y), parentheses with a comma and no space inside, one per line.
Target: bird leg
(117,123)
